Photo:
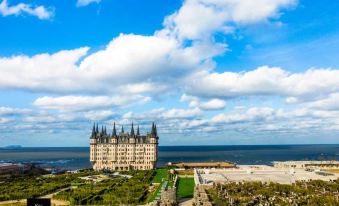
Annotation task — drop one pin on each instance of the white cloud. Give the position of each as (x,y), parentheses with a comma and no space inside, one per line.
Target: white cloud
(198,19)
(295,87)
(163,114)
(212,104)
(135,58)
(181,113)
(39,11)
(100,73)
(5,120)
(99,115)
(252,114)
(81,103)
(13,111)
(130,63)
(328,103)
(69,118)
(178,58)
(146,64)
(43,72)
(50,118)
(87,2)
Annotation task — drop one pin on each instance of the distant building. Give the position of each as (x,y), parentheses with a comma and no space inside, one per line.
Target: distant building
(10,168)
(206,165)
(123,151)
(307,164)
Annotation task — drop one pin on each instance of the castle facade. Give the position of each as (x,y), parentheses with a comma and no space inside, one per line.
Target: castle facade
(123,151)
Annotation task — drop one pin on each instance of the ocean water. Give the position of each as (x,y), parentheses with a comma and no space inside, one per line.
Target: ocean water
(78,157)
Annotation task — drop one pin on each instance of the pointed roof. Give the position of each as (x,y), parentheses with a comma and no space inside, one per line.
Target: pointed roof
(97,129)
(122,128)
(153,128)
(114,132)
(132,130)
(138,131)
(93,131)
(102,130)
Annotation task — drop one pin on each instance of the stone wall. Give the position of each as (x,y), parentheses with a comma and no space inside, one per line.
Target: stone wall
(168,196)
(200,196)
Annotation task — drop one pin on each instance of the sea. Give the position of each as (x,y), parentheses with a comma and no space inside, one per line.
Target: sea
(71,158)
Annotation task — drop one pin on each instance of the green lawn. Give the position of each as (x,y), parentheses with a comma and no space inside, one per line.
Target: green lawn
(185,187)
(160,173)
(152,196)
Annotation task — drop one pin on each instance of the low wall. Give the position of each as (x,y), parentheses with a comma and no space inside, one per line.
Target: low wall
(200,196)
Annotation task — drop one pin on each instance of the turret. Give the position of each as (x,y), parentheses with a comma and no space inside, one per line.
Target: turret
(132,130)
(102,131)
(153,135)
(93,132)
(93,137)
(131,138)
(114,132)
(114,135)
(154,129)
(138,132)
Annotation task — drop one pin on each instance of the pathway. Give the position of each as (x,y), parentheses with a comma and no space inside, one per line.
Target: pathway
(186,202)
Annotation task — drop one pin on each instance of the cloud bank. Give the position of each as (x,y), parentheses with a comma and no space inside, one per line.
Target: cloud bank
(40,12)
(175,64)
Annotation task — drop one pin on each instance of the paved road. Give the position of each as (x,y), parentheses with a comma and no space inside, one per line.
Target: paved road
(186,202)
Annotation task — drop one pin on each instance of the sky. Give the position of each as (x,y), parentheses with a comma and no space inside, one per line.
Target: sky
(207,72)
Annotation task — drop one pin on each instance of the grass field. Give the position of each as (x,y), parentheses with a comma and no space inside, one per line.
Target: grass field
(160,173)
(152,196)
(185,172)
(185,187)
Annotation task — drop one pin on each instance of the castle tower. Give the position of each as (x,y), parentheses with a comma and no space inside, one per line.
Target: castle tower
(131,138)
(154,136)
(113,138)
(123,151)
(138,131)
(93,139)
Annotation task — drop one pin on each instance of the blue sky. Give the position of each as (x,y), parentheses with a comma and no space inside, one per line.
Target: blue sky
(206,71)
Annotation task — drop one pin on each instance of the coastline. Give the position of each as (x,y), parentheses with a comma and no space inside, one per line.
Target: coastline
(78,157)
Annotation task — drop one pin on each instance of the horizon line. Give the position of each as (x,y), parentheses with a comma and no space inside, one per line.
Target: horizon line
(20,146)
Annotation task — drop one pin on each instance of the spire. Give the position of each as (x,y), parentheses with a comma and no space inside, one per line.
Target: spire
(105,131)
(122,128)
(97,129)
(93,130)
(102,130)
(153,129)
(114,133)
(138,132)
(132,130)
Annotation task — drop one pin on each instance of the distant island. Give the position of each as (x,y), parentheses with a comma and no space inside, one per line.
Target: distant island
(16,146)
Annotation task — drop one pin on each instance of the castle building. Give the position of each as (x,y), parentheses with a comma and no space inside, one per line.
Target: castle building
(123,151)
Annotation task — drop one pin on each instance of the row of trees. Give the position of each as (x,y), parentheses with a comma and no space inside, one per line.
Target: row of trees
(256,193)
(114,191)
(18,188)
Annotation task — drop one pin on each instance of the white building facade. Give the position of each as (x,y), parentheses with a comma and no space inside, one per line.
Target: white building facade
(123,151)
